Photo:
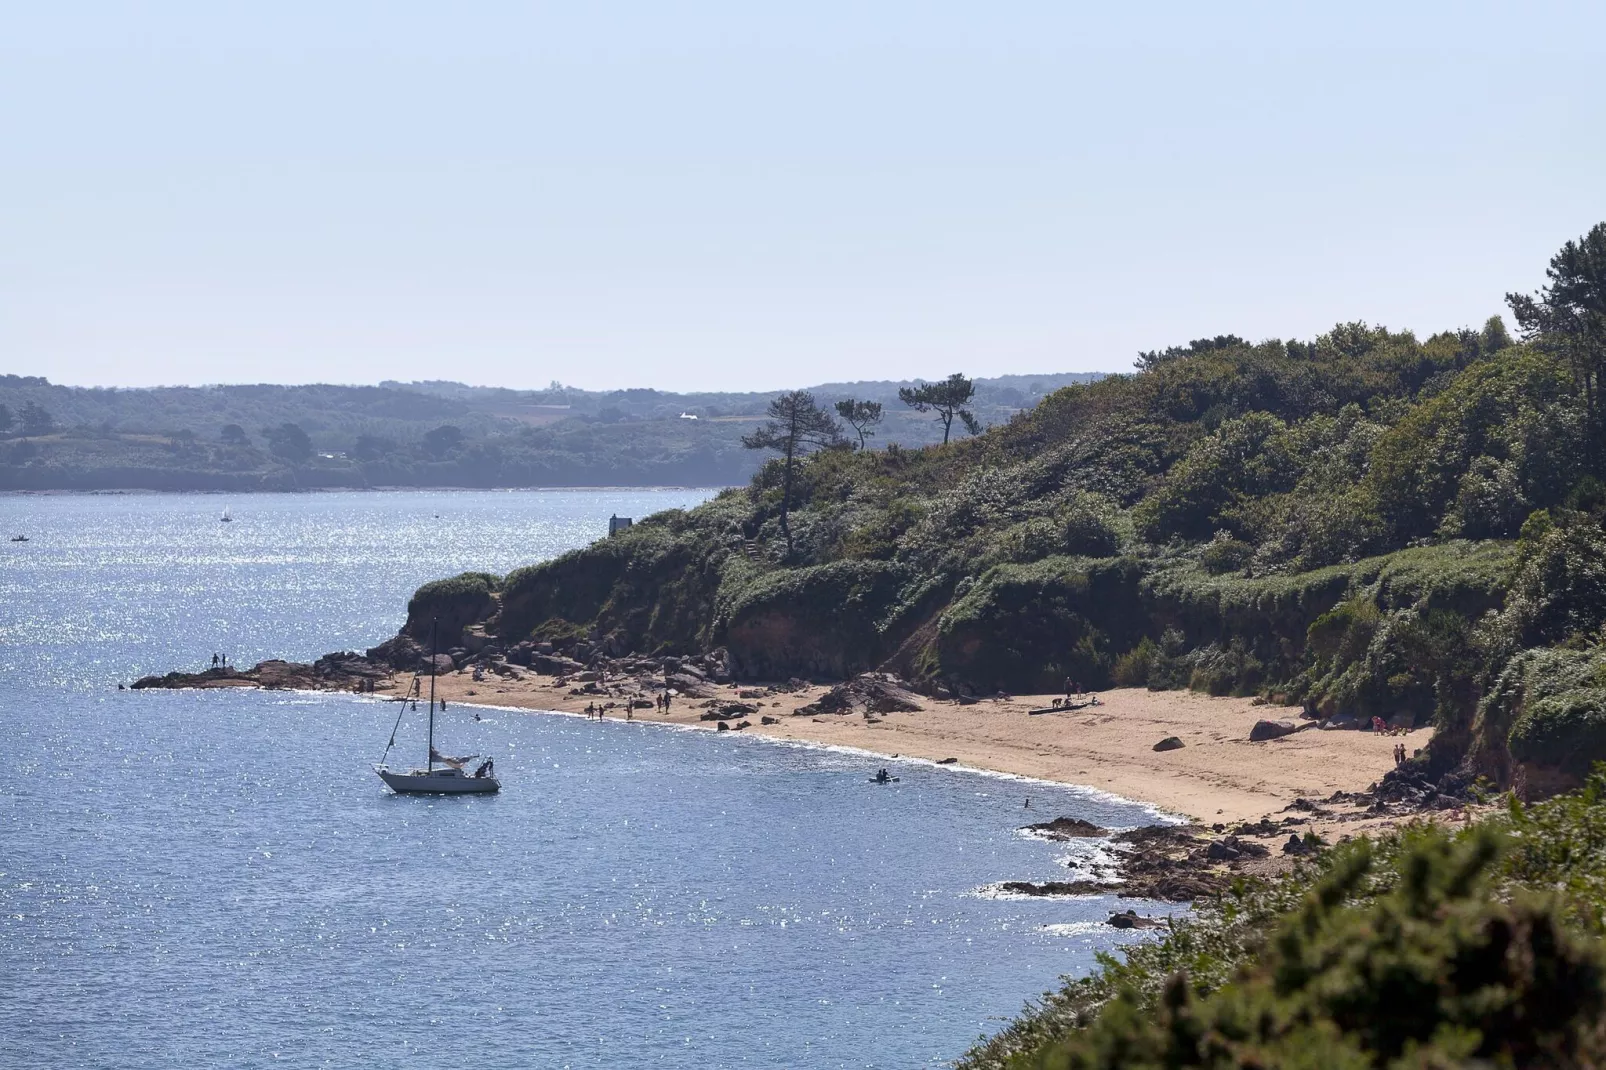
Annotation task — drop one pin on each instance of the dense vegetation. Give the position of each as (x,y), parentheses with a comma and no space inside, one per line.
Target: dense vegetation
(415,434)
(1427,949)
(1366,523)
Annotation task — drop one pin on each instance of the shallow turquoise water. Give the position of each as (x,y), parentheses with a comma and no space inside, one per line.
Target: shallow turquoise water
(218,879)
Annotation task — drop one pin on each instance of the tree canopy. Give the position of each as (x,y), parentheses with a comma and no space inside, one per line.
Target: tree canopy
(289,442)
(949,398)
(862,416)
(796,426)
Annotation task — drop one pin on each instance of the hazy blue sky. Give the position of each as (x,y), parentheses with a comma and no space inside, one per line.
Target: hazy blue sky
(754,195)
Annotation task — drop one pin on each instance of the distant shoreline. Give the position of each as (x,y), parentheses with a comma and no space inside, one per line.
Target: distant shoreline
(63,492)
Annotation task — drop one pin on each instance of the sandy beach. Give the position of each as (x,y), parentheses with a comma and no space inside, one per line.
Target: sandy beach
(1218,776)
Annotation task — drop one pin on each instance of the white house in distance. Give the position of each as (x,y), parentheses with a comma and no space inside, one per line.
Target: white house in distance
(617,523)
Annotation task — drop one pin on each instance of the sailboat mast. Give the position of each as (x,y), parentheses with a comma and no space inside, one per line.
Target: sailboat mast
(429,758)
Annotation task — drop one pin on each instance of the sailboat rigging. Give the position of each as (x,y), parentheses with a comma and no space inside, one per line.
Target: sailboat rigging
(449,778)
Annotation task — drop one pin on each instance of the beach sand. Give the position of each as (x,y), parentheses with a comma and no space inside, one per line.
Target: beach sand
(1218,776)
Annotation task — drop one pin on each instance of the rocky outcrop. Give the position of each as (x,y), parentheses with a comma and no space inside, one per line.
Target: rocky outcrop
(401,652)
(1169,743)
(1066,828)
(870,692)
(339,670)
(1166,862)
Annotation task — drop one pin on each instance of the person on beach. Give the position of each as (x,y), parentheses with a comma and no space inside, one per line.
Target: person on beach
(1069,683)
(214,660)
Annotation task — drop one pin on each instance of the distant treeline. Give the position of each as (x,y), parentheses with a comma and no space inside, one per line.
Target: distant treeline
(266,437)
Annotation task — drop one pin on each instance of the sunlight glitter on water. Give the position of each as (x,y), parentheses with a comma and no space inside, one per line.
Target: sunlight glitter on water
(217,878)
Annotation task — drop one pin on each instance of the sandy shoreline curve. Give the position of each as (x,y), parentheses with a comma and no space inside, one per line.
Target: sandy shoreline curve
(1218,776)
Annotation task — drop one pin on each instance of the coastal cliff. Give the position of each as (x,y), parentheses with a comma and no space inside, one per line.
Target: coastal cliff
(1365,526)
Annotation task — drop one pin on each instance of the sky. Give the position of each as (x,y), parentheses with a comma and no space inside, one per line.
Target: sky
(751,196)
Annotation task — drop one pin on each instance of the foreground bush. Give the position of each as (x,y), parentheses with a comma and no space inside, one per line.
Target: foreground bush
(1431,973)
(1425,949)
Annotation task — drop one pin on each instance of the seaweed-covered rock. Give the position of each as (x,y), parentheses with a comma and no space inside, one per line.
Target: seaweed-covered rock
(1131,919)
(1066,828)
(1056,888)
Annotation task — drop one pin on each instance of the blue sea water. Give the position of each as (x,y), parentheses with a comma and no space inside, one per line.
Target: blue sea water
(218,879)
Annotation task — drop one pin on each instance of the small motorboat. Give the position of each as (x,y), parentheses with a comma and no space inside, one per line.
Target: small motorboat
(19,538)
(883,778)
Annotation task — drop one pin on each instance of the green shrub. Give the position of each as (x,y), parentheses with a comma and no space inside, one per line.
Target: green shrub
(821,620)
(1028,627)
(1566,732)
(455,603)
(1559,593)
(1226,554)
(1244,458)
(1520,409)
(1132,668)
(1432,970)
(1385,961)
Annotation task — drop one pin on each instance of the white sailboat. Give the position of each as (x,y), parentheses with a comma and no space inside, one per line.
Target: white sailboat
(226,518)
(448,778)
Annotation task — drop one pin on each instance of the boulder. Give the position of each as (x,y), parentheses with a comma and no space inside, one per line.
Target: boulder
(1169,743)
(721,711)
(400,652)
(1231,849)
(1265,730)
(769,720)
(1298,846)
(554,664)
(724,726)
(693,686)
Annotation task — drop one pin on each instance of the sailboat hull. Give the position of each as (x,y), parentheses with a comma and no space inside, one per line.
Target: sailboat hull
(439,782)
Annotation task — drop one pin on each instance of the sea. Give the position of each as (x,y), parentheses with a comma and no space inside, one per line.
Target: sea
(218,879)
